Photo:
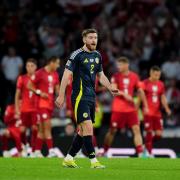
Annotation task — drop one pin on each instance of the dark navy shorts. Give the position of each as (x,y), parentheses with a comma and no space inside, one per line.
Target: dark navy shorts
(83,110)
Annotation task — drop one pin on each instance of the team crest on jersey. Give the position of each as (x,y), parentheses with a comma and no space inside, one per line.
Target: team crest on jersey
(126,81)
(97,60)
(85,115)
(50,78)
(91,60)
(154,88)
(68,63)
(86,61)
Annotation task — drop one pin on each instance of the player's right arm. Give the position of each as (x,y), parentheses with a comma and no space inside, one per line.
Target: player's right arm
(164,101)
(64,82)
(69,69)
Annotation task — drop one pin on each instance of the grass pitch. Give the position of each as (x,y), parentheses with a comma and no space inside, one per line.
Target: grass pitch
(116,169)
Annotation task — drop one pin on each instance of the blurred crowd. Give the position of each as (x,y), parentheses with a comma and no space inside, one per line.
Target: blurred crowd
(146,31)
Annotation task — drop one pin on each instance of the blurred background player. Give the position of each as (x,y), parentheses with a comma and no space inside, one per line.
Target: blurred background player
(84,63)
(26,104)
(45,83)
(12,131)
(124,112)
(155,94)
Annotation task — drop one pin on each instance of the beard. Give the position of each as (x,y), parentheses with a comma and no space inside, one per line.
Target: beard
(91,47)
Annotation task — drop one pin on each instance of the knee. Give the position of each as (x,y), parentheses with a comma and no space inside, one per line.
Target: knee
(7,133)
(87,128)
(158,134)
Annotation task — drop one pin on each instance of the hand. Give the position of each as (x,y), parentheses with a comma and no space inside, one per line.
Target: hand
(59,101)
(115,91)
(128,97)
(44,95)
(168,111)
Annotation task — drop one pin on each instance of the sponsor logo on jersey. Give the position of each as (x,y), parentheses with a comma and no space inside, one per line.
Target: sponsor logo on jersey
(86,61)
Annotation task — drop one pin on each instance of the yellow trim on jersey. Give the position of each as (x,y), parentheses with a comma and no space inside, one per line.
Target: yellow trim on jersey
(78,99)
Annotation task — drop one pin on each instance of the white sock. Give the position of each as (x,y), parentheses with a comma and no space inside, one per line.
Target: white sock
(68,157)
(93,160)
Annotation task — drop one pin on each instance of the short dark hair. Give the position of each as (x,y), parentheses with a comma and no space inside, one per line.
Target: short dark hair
(123,59)
(52,59)
(31,60)
(155,68)
(88,31)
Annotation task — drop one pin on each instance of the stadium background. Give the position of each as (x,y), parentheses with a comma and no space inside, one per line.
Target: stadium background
(147,31)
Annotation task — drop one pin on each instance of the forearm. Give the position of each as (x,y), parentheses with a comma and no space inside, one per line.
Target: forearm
(17,100)
(164,102)
(64,82)
(104,81)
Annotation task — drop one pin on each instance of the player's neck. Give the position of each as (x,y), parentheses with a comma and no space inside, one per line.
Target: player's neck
(48,69)
(86,49)
(125,72)
(152,80)
(29,74)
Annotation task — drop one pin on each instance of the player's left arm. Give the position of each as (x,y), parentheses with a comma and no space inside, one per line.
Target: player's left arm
(105,82)
(165,104)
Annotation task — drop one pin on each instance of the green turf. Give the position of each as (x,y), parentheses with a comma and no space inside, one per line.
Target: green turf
(117,169)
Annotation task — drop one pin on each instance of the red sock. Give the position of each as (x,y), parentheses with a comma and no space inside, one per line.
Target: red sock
(149,141)
(106,147)
(39,143)
(139,149)
(49,143)
(94,141)
(4,143)
(24,138)
(33,139)
(17,140)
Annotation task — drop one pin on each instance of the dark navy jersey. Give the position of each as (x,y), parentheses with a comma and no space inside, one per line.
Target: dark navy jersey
(85,66)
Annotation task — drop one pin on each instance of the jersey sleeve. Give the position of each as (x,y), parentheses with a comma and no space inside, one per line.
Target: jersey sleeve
(72,61)
(100,68)
(36,77)
(19,83)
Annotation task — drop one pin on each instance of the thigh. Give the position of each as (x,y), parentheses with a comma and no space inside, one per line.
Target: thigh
(81,111)
(157,123)
(92,106)
(45,114)
(34,118)
(132,119)
(117,120)
(148,123)
(26,119)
